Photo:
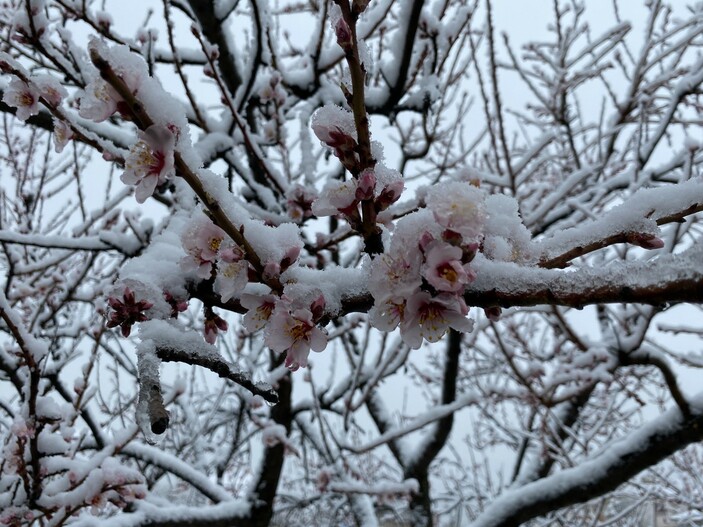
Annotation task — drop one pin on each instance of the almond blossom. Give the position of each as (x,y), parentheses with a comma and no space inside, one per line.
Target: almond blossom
(396,274)
(444,270)
(99,101)
(50,89)
(22,96)
(63,133)
(232,273)
(336,197)
(150,161)
(213,324)
(430,317)
(202,243)
(259,310)
(294,333)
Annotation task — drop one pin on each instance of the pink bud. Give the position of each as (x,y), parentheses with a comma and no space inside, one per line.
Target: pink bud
(366,185)
(317,308)
(425,240)
(646,241)
(344,36)
(289,258)
(493,313)
(272,270)
(389,195)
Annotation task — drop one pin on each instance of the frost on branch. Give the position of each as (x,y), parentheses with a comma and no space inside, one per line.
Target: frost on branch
(354,190)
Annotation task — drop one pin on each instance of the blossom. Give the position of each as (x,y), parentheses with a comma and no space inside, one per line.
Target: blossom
(335,127)
(24,97)
(387,314)
(177,305)
(294,333)
(390,193)
(201,242)
(50,89)
(429,317)
(150,161)
(127,311)
(443,268)
(259,309)
(458,206)
(395,274)
(63,133)
(99,101)
(232,273)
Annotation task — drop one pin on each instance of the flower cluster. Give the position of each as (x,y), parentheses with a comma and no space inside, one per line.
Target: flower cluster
(25,95)
(418,282)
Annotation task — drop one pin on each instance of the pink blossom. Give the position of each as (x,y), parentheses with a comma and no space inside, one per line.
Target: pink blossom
(492,313)
(344,35)
(232,273)
(289,258)
(395,274)
(387,314)
(331,122)
(201,242)
(458,206)
(177,305)
(22,96)
(295,333)
(259,309)
(429,317)
(150,161)
(99,101)
(443,268)
(63,133)
(335,127)
(50,89)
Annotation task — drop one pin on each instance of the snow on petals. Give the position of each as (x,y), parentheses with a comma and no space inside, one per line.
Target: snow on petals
(99,101)
(50,89)
(150,161)
(458,206)
(232,273)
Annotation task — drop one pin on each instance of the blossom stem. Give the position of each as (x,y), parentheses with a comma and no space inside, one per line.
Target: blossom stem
(368,228)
